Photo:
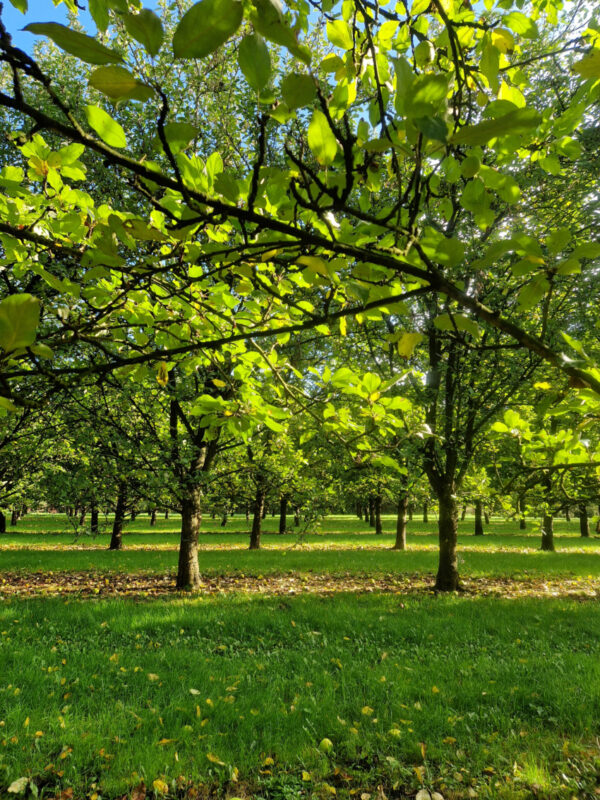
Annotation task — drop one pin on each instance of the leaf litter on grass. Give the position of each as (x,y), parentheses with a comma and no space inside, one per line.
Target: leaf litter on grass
(147,585)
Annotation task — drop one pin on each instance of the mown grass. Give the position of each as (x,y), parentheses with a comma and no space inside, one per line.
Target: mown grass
(447,692)
(469,696)
(343,545)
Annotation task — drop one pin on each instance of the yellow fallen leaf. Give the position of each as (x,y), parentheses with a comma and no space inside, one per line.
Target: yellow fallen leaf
(367,711)
(153,677)
(268,762)
(166,741)
(215,759)
(435,690)
(160,786)
(306,776)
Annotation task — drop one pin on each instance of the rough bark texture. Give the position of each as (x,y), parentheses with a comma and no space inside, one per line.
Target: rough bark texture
(378,525)
(447,576)
(478,518)
(584,523)
(257,518)
(94,525)
(283,504)
(400,543)
(116,540)
(188,570)
(548,533)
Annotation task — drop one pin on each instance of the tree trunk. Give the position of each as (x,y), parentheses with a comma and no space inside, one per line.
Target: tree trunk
(82,515)
(167,514)
(366,513)
(486,516)
(2,523)
(224,519)
(548,533)
(447,577)
(478,518)
(257,518)
(188,570)
(359,511)
(264,511)
(463,513)
(153,517)
(296,518)
(584,524)
(378,525)
(410,512)
(247,513)
(94,526)
(14,517)
(116,540)
(400,543)
(372,512)
(133,514)
(283,504)
(425,517)
(568,514)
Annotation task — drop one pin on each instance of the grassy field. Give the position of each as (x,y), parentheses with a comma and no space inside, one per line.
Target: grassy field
(232,695)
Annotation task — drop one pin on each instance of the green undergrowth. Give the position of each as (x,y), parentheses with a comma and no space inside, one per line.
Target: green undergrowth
(455,694)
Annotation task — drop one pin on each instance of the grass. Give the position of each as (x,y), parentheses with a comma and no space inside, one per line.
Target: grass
(232,695)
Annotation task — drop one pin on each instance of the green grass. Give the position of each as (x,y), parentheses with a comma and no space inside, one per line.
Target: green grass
(483,685)
(453,693)
(343,545)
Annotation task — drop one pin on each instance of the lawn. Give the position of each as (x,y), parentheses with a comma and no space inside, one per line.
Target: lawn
(232,694)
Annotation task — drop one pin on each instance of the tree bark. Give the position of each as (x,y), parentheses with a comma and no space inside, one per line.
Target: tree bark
(463,513)
(257,518)
(366,513)
(14,517)
(224,519)
(94,526)
(400,543)
(167,514)
(82,515)
(584,524)
(548,533)
(2,523)
(153,517)
(425,517)
(359,511)
(116,540)
(372,512)
(486,516)
(283,504)
(296,518)
(447,576)
(568,514)
(378,525)
(247,513)
(478,518)
(133,514)
(410,512)
(188,570)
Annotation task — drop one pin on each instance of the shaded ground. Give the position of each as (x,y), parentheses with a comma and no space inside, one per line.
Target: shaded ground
(94,584)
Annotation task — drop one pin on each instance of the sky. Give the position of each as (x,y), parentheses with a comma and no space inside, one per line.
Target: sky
(44,11)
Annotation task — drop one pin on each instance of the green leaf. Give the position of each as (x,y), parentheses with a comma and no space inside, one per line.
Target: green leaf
(521,120)
(340,34)
(146,28)
(86,48)
(8,405)
(588,67)
(119,84)
(105,126)
(179,135)
(321,139)
(533,292)
(254,61)
(432,127)
(19,318)
(20,5)
(450,322)
(521,24)
(407,343)
(42,350)
(298,90)
(99,12)
(205,27)
(269,21)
